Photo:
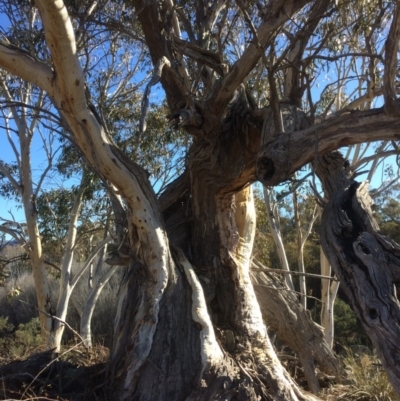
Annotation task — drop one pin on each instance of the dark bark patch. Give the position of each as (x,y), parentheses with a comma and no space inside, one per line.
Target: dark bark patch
(373,313)
(265,168)
(77,82)
(365,249)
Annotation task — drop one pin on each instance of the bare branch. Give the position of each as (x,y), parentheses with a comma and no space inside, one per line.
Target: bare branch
(277,13)
(295,273)
(90,258)
(146,95)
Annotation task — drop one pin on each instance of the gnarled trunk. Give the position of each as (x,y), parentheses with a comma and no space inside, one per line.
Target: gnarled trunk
(365,261)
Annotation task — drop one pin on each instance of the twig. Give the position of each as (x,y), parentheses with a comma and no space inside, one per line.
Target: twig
(56,318)
(287,289)
(49,364)
(280,271)
(145,100)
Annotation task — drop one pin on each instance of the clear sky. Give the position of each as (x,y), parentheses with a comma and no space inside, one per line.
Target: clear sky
(39,158)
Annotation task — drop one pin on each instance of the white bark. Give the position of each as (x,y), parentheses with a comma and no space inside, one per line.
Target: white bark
(23,185)
(100,279)
(277,236)
(210,352)
(237,237)
(66,265)
(300,252)
(329,291)
(245,220)
(143,218)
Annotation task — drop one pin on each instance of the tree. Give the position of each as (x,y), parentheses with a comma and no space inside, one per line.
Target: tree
(188,284)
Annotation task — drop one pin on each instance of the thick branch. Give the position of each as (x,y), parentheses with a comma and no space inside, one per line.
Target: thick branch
(279,159)
(19,62)
(61,41)
(156,29)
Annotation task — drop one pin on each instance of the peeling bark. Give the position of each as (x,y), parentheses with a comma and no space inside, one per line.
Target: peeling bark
(293,325)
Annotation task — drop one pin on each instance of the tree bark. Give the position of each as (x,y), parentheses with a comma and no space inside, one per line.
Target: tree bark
(329,291)
(100,279)
(293,325)
(364,260)
(273,218)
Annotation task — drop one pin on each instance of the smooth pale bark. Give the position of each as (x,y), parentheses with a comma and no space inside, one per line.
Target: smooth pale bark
(300,252)
(99,280)
(301,241)
(23,185)
(57,329)
(365,261)
(39,272)
(329,291)
(67,285)
(277,236)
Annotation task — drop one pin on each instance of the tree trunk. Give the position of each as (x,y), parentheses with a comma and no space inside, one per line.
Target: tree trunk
(99,280)
(329,291)
(273,217)
(365,261)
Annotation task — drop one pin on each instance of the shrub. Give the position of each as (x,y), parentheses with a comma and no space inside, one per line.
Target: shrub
(348,330)
(27,339)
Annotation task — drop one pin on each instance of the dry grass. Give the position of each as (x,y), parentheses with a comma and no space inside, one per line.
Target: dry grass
(367,381)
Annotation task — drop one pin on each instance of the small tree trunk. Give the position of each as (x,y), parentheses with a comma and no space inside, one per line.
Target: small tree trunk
(57,329)
(43,294)
(99,281)
(277,236)
(300,251)
(329,291)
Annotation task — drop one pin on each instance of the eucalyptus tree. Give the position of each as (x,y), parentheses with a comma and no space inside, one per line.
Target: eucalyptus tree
(19,126)
(228,70)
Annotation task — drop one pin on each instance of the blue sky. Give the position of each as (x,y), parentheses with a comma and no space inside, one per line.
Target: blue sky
(157,95)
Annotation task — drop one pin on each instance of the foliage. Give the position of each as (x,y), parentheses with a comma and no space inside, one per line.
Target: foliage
(21,341)
(6,330)
(348,329)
